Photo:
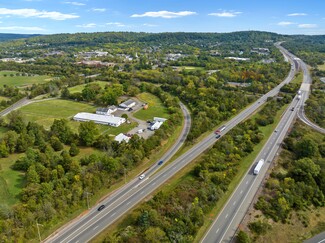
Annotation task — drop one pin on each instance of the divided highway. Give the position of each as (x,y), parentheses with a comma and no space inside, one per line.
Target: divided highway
(227,222)
(88,226)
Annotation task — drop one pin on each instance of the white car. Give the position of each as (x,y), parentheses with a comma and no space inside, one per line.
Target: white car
(142,176)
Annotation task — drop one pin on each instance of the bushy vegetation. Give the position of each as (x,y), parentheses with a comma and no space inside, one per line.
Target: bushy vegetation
(55,181)
(300,181)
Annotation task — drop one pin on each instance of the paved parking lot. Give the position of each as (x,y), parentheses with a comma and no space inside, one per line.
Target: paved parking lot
(142,125)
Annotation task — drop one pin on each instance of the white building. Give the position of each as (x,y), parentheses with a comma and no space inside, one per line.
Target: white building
(159,119)
(156,125)
(128,104)
(121,137)
(99,119)
(106,111)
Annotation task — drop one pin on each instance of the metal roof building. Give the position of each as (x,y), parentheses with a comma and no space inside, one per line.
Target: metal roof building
(99,119)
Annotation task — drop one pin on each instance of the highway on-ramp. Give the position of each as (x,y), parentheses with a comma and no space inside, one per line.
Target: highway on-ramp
(87,227)
(225,226)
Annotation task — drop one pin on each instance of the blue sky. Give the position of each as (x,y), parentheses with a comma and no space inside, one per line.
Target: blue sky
(71,16)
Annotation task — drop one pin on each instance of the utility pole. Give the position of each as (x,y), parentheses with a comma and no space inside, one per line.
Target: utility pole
(39,234)
(87,199)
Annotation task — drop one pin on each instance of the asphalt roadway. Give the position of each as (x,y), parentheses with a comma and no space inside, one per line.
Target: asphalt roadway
(225,226)
(88,226)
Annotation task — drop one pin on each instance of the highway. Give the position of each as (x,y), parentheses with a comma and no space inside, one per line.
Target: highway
(88,226)
(225,226)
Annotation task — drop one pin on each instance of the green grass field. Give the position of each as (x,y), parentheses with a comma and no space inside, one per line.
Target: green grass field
(156,107)
(21,81)
(11,181)
(45,112)
(321,67)
(80,87)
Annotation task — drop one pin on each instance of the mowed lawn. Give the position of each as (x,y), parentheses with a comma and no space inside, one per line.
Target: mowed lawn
(21,81)
(79,88)
(45,112)
(321,67)
(156,107)
(11,181)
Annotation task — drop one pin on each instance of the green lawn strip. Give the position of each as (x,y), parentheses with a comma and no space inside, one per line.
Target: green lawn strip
(21,81)
(156,107)
(321,67)
(298,78)
(11,181)
(79,88)
(3,98)
(245,164)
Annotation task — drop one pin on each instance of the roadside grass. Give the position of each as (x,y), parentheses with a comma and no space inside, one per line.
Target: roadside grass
(155,109)
(21,81)
(79,88)
(298,79)
(295,230)
(11,181)
(3,98)
(321,67)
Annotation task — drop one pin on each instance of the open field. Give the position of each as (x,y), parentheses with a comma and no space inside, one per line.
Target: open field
(80,87)
(156,107)
(45,112)
(21,81)
(11,181)
(321,67)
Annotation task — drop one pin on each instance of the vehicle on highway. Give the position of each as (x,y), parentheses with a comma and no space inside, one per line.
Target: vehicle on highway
(220,129)
(142,176)
(298,97)
(292,108)
(258,166)
(218,136)
(160,162)
(101,207)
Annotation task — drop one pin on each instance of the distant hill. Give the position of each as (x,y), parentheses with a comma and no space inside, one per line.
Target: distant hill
(6,37)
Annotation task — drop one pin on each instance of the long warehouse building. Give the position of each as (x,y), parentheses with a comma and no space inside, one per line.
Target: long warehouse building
(114,121)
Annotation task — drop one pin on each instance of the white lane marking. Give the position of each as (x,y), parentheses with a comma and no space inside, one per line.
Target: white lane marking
(141,192)
(241,191)
(226,216)
(113,214)
(246,182)
(217,231)
(154,183)
(128,203)
(95,227)
(234,203)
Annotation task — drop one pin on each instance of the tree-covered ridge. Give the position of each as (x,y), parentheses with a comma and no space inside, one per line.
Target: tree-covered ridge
(9,37)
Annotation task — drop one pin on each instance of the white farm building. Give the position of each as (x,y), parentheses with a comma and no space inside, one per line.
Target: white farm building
(128,104)
(114,121)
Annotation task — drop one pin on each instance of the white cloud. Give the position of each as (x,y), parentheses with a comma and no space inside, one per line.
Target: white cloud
(297,14)
(98,9)
(118,24)
(307,26)
(150,25)
(28,12)
(75,3)
(285,23)
(91,25)
(19,28)
(226,14)
(164,14)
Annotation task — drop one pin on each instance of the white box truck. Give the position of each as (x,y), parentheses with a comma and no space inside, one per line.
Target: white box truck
(258,166)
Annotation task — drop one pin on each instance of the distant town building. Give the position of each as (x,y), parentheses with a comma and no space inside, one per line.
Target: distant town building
(238,58)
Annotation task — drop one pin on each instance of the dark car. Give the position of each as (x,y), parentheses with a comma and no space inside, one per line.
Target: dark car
(160,162)
(218,136)
(292,108)
(101,207)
